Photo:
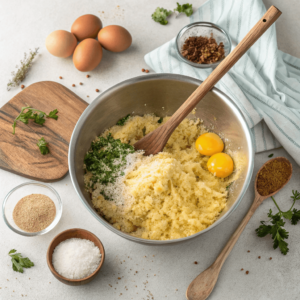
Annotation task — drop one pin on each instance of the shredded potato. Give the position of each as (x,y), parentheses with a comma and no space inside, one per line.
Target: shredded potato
(173,195)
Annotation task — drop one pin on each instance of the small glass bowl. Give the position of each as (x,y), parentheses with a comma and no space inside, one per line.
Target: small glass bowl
(202,29)
(22,190)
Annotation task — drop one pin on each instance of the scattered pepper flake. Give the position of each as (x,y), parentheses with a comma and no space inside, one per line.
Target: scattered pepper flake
(73,84)
(87,76)
(147,71)
(195,262)
(80,83)
(97,90)
(60,77)
(143,70)
(22,86)
(259,257)
(270,258)
(247,272)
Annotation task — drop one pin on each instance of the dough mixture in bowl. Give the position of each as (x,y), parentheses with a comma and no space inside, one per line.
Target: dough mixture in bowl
(167,196)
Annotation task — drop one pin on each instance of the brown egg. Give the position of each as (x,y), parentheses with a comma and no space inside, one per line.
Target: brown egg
(61,43)
(86,26)
(87,55)
(114,38)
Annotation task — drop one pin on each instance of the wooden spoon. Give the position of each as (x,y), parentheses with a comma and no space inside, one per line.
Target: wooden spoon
(201,287)
(155,141)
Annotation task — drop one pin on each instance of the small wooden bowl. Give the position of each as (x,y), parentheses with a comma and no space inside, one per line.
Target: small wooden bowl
(68,234)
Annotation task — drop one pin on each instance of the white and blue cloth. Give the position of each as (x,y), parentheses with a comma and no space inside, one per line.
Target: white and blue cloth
(264,83)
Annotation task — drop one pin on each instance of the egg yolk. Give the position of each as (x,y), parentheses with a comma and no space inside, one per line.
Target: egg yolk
(220,164)
(209,144)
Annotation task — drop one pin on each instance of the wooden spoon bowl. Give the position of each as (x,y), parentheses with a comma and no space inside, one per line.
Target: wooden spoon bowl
(201,287)
(68,234)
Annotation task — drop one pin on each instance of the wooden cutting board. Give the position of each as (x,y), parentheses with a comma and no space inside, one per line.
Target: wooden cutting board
(19,153)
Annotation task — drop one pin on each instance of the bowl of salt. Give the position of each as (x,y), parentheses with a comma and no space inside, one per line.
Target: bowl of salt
(75,256)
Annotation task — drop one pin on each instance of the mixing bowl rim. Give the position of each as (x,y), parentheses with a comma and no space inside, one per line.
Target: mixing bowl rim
(137,79)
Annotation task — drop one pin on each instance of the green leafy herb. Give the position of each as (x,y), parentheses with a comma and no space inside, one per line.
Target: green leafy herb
(160,15)
(42,144)
(122,121)
(276,230)
(53,114)
(144,131)
(105,160)
(34,114)
(19,262)
(21,73)
(270,155)
(184,8)
(228,186)
(160,120)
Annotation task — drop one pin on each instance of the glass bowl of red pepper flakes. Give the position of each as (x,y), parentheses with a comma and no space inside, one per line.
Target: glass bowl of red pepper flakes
(203,44)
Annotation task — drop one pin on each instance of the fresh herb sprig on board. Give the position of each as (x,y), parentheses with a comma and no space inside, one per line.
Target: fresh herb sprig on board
(276,228)
(34,114)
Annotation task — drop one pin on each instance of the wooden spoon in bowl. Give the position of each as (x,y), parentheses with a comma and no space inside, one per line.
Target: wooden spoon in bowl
(155,141)
(201,287)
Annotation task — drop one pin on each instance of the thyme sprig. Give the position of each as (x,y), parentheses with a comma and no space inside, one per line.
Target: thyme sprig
(26,63)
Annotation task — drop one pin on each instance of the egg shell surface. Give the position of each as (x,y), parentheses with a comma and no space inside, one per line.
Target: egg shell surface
(61,43)
(87,55)
(114,38)
(86,26)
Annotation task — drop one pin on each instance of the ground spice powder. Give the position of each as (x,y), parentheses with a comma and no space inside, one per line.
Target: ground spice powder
(273,176)
(34,212)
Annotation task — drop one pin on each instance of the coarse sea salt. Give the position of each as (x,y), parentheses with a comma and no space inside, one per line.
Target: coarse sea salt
(76,258)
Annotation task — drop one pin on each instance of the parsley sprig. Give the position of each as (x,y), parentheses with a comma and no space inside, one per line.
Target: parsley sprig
(19,262)
(184,8)
(34,114)
(276,229)
(42,144)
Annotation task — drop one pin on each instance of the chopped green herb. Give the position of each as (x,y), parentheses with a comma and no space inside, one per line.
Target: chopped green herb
(105,160)
(160,120)
(160,15)
(42,144)
(19,262)
(122,121)
(228,186)
(144,131)
(271,155)
(276,230)
(38,117)
(184,8)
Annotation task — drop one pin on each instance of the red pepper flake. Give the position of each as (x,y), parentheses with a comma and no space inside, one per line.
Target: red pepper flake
(259,257)
(242,269)
(143,70)
(73,84)
(270,258)
(22,86)
(119,278)
(80,83)
(147,71)
(247,272)
(195,262)
(248,251)
(87,76)
(97,91)
(60,77)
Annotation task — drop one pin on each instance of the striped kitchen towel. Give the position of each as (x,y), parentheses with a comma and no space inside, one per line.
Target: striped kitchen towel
(265,83)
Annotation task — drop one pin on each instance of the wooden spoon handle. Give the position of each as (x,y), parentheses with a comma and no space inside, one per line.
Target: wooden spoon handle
(230,244)
(253,35)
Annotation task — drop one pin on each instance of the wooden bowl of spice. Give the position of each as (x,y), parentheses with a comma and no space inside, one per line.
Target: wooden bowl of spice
(75,256)
(32,208)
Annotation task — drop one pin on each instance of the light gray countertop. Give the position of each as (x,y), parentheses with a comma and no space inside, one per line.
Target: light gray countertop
(163,272)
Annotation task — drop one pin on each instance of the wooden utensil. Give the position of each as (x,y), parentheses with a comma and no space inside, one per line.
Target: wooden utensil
(80,234)
(155,141)
(201,287)
(19,153)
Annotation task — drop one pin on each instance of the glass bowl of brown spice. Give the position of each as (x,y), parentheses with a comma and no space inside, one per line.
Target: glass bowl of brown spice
(32,208)
(203,44)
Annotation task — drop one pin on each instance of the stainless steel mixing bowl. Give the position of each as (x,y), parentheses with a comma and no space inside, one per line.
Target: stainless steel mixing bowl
(161,94)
